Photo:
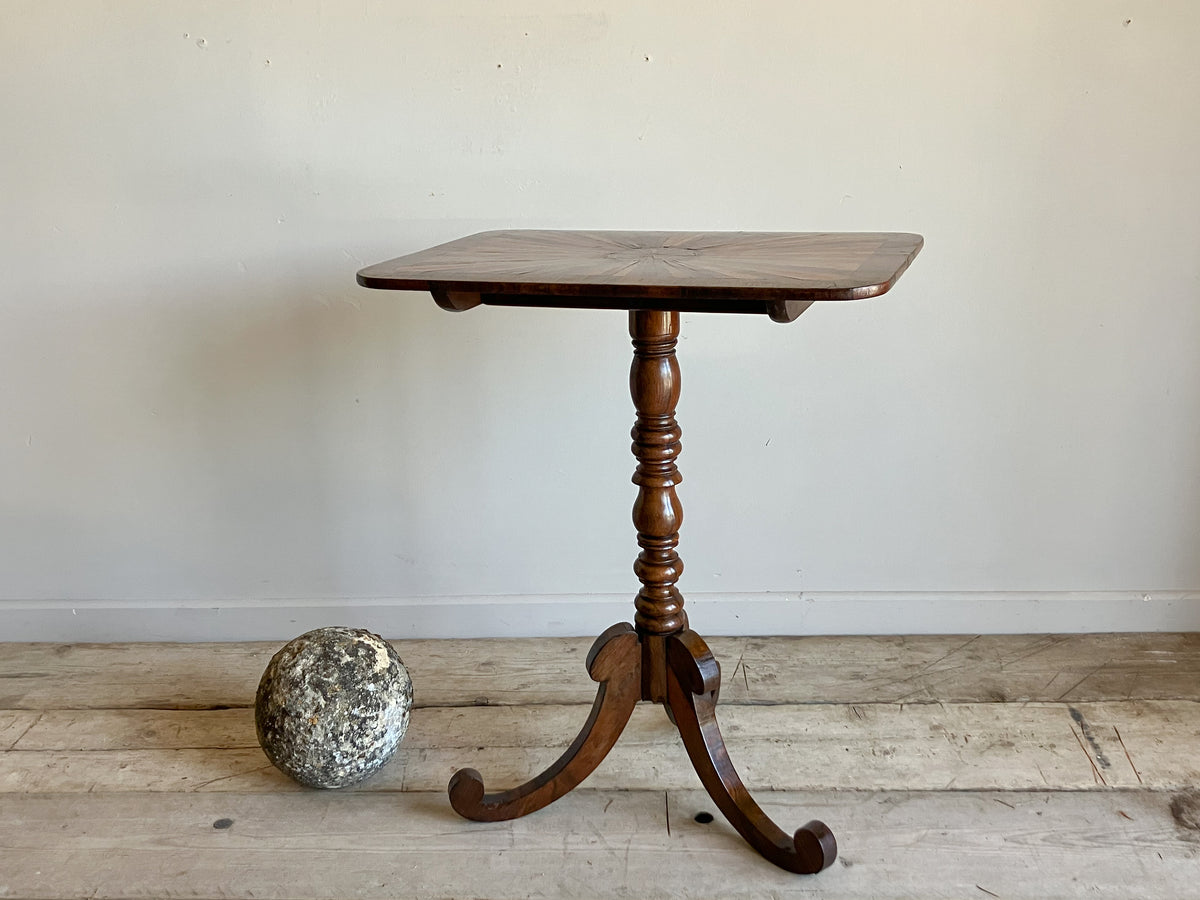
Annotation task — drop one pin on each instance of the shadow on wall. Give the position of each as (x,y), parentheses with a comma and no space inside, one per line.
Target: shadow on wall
(313,423)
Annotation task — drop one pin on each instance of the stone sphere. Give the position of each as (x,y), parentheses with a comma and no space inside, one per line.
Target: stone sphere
(333,706)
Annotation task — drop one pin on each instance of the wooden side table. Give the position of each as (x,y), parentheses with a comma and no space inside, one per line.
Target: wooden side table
(655,276)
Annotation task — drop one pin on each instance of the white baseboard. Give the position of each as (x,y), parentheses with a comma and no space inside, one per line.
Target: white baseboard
(588,614)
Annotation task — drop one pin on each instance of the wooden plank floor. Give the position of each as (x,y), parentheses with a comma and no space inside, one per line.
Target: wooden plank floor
(974,767)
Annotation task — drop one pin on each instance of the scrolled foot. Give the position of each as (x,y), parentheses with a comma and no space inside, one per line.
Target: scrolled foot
(466,789)
(815,843)
(692,684)
(615,662)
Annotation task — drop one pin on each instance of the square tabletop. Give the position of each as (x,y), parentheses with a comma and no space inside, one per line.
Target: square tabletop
(775,273)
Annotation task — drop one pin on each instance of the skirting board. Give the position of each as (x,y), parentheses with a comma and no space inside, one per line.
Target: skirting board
(589,614)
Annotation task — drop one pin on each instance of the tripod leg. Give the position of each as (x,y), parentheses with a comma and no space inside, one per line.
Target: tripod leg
(692,682)
(615,662)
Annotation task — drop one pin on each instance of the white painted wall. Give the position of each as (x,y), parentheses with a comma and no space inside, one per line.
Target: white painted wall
(198,407)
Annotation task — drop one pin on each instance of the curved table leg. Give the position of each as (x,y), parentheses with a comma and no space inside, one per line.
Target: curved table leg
(615,662)
(692,682)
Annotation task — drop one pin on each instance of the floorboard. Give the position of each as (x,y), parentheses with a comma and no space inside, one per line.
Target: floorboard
(598,844)
(525,671)
(1008,746)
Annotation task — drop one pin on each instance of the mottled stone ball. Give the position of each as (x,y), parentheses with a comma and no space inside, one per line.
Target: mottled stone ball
(333,706)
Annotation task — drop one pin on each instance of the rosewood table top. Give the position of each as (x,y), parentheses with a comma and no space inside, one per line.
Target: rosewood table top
(774,273)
